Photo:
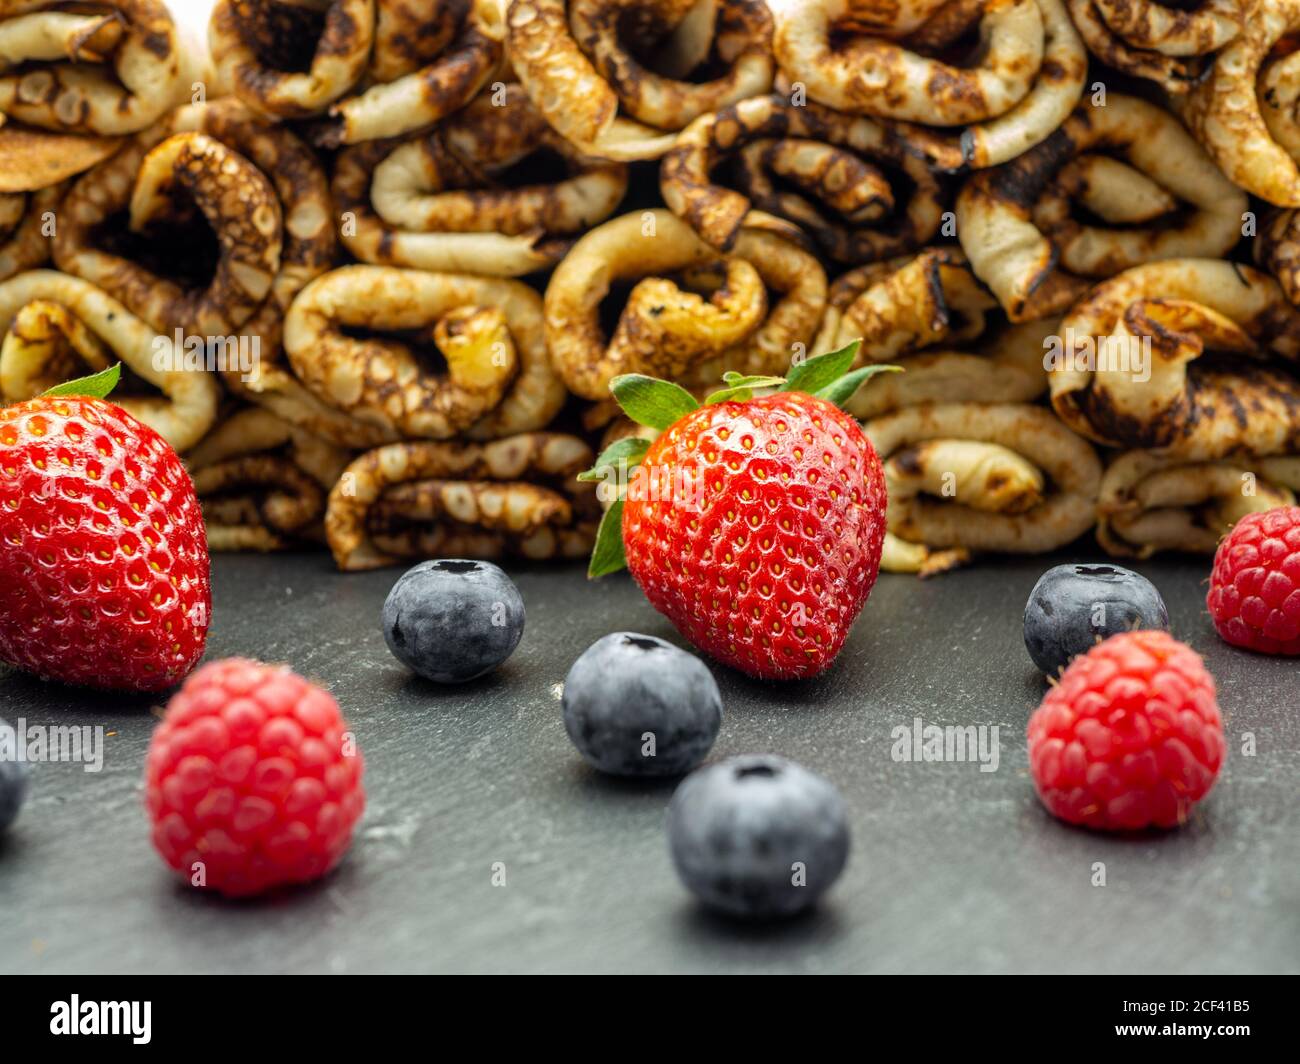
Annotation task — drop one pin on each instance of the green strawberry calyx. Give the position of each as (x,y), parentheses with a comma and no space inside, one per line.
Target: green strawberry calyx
(96,386)
(658,404)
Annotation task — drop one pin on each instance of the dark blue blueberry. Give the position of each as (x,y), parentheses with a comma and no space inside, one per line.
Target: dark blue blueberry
(1073,607)
(452,620)
(758,836)
(637,706)
(13,777)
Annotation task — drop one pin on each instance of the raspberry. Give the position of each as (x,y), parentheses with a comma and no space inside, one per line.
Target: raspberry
(1254,594)
(1130,737)
(252,779)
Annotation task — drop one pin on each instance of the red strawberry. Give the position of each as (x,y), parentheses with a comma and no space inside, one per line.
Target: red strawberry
(103,556)
(754,524)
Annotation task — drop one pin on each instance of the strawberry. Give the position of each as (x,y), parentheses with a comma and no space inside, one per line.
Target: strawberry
(103,556)
(754,524)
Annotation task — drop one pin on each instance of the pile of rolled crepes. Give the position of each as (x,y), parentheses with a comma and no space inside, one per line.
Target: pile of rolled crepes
(370,265)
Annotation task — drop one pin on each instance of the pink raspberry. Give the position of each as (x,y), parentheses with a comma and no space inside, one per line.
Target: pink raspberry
(1130,737)
(253,780)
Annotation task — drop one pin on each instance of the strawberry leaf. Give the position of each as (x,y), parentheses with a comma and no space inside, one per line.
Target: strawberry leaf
(96,386)
(741,387)
(841,391)
(629,450)
(652,402)
(607,556)
(818,373)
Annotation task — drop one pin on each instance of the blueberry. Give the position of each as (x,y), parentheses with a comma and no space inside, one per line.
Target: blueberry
(1072,607)
(13,777)
(758,836)
(637,706)
(452,620)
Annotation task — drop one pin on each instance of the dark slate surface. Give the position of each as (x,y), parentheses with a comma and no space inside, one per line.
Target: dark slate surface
(952,869)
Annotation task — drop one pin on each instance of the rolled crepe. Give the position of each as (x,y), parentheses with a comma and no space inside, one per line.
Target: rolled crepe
(850,186)
(54,327)
(428,61)
(1243,109)
(259,188)
(108,69)
(930,317)
(1151,502)
(1172,45)
(499,380)
(433,201)
(262,482)
(692,314)
(591,87)
(516,496)
(1157,192)
(1021,83)
(970,477)
(256,44)
(1188,356)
